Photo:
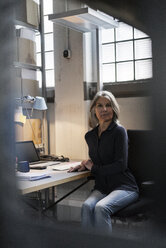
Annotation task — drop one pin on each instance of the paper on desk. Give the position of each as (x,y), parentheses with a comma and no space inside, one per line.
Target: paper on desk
(31,176)
(19,118)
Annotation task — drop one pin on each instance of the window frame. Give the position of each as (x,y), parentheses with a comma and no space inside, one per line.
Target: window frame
(130,88)
(46,51)
(140,87)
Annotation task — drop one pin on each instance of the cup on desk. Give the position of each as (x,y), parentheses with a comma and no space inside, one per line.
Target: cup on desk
(23,166)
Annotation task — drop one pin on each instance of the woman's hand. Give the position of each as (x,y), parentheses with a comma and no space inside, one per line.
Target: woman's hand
(79,167)
(85,164)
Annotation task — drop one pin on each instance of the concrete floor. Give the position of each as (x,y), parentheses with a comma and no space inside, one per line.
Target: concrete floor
(135,230)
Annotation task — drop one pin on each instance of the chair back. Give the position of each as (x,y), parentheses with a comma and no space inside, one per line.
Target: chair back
(140,154)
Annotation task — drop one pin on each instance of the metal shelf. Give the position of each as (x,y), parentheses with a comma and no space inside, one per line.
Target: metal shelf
(27,66)
(21,24)
(84,19)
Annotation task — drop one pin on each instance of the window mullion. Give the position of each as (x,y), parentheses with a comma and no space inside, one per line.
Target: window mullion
(133,55)
(115,55)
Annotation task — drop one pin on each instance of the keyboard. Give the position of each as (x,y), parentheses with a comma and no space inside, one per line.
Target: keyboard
(65,165)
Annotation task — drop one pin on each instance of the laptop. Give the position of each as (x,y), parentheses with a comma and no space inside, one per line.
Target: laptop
(26,151)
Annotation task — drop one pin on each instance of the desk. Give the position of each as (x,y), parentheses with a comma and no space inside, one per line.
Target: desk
(57,178)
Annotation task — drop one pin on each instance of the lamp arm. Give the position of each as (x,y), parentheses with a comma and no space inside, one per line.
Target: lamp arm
(31,125)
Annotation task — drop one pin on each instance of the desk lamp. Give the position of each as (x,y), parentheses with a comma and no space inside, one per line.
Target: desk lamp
(38,103)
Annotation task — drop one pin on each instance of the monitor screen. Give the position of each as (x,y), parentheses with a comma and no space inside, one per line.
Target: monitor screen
(26,151)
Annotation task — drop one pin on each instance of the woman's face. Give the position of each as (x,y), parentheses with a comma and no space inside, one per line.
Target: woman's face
(103,110)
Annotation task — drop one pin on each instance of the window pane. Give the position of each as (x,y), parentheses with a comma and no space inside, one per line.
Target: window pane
(28,74)
(108,53)
(39,78)
(107,35)
(38,44)
(125,71)
(143,49)
(50,78)
(48,25)
(47,7)
(36,1)
(49,60)
(143,69)
(38,55)
(139,34)
(124,51)
(124,32)
(48,42)
(109,73)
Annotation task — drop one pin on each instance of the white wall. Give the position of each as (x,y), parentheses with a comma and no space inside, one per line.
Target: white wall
(70,113)
(135,112)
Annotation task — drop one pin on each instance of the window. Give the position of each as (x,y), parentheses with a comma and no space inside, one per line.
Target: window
(126,55)
(49,46)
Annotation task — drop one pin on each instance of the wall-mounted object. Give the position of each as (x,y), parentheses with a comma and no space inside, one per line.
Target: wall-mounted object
(90,89)
(67,53)
(84,19)
(50,95)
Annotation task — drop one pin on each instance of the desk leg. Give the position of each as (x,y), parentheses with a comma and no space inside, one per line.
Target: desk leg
(49,199)
(40,201)
(69,193)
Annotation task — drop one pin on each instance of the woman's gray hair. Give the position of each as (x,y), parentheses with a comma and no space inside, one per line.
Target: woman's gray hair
(93,121)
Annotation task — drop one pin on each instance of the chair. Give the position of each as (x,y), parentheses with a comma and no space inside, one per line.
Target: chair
(140,164)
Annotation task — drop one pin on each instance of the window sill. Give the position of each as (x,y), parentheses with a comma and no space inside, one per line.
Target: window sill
(130,89)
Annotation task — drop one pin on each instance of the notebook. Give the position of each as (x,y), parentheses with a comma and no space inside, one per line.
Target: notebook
(31,176)
(26,151)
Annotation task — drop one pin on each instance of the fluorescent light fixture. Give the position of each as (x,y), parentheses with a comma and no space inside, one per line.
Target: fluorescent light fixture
(84,19)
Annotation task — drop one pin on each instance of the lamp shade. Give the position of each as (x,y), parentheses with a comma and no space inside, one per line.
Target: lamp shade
(39,103)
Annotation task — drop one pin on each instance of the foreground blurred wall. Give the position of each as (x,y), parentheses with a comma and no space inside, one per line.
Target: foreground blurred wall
(20,232)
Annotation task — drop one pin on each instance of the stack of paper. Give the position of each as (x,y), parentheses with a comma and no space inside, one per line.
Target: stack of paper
(31,176)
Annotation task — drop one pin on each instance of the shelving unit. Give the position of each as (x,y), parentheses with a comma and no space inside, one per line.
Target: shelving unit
(27,25)
(37,29)
(20,66)
(27,66)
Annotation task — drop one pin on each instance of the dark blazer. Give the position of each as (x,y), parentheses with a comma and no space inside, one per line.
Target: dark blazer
(109,154)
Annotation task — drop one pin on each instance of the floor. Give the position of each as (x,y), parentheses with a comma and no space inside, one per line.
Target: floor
(136,230)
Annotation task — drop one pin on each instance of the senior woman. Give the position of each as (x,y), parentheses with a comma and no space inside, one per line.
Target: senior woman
(115,186)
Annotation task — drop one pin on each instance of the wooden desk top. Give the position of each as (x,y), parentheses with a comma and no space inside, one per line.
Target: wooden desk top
(57,178)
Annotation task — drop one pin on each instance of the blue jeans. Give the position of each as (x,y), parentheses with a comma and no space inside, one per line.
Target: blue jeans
(97,209)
